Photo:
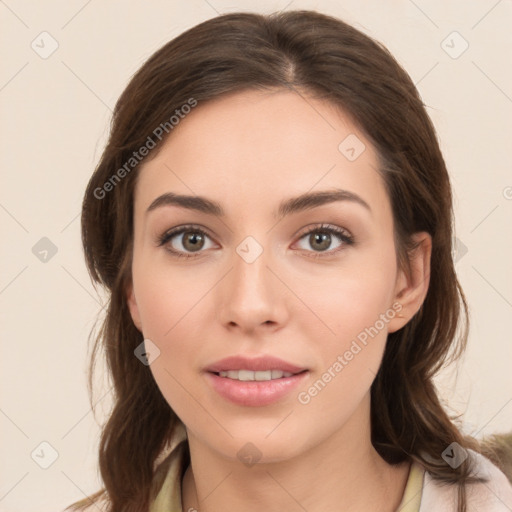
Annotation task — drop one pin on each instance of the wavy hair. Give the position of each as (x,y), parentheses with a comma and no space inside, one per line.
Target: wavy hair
(323,57)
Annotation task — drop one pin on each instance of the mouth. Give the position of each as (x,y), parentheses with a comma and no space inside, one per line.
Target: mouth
(254,381)
(251,375)
(250,388)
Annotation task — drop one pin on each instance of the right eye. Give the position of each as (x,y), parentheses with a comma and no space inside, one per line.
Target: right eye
(192,239)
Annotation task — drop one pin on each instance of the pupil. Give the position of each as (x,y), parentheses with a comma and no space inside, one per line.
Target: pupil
(194,239)
(323,239)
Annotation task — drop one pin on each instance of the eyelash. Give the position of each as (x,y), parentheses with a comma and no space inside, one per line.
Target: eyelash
(342,234)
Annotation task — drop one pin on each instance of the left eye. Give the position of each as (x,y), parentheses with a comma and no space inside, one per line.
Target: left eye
(321,237)
(193,239)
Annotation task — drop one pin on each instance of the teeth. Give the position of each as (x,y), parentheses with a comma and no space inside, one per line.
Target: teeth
(245,375)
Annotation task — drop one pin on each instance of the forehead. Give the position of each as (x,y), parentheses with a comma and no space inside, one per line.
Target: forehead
(253,147)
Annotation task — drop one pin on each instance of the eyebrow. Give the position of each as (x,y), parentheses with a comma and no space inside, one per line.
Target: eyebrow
(288,206)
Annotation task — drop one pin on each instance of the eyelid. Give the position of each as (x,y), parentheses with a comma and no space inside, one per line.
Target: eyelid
(324,227)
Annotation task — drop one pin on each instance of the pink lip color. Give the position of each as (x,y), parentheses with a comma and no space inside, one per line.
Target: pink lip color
(254,393)
(261,363)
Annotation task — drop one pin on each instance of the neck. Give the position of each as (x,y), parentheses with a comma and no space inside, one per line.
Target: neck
(343,472)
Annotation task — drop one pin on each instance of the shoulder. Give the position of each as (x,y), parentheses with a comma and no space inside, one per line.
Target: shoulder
(494,495)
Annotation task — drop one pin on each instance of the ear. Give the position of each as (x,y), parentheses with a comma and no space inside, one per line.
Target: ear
(411,287)
(132,306)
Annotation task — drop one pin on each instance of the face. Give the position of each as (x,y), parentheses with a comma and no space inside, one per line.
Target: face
(314,283)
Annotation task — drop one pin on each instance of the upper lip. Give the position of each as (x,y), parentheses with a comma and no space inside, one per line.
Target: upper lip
(261,363)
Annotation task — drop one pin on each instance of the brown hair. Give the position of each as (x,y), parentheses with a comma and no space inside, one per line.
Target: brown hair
(326,58)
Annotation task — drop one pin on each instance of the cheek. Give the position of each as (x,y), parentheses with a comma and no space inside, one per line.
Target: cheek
(352,298)
(356,308)
(359,307)
(167,298)
(171,305)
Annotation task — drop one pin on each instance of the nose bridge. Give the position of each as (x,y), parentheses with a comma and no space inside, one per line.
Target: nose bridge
(250,273)
(251,293)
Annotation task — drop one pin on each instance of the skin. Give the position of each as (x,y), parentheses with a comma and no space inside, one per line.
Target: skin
(249,151)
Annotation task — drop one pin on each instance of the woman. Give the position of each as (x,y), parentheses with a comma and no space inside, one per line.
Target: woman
(272,218)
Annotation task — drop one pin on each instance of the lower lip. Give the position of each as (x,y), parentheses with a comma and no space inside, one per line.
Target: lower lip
(254,393)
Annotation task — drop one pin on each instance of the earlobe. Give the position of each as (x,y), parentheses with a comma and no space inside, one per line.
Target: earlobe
(411,288)
(133,307)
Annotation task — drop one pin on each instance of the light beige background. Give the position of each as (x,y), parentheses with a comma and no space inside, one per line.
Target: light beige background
(54,122)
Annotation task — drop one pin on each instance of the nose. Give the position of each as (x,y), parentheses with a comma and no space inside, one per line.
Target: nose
(251,296)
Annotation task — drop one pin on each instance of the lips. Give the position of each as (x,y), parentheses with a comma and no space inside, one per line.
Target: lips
(258,364)
(255,393)
(256,381)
